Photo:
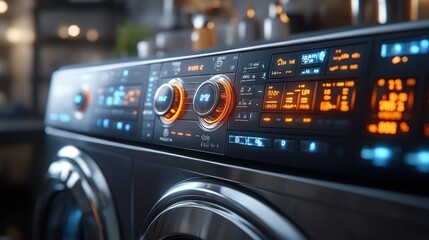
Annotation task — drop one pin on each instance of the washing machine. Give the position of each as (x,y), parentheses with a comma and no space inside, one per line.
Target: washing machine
(316,137)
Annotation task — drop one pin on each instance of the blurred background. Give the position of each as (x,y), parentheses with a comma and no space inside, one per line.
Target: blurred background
(39,36)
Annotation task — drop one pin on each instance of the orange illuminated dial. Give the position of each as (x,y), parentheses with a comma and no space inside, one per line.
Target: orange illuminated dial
(213,101)
(169,101)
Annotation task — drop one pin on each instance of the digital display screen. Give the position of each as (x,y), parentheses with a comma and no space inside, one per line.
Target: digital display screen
(119,96)
(313,57)
(405,48)
(391,106)
(323,96)
(195,68)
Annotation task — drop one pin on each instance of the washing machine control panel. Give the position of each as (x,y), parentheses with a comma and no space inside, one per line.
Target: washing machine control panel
(351,103)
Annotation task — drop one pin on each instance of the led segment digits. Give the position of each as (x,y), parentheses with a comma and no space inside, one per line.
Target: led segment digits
(298,96)
(336,96)
(313,57)
(391,105)
(326,96)
(273,96)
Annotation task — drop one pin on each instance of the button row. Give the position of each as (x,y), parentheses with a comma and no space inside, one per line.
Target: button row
(253,77)
(117,125)
(302,122)
(282,144)
(384,156)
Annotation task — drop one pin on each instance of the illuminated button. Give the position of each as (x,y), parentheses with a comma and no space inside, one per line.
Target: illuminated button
(106,123)
(419,160)
(271,120)
(314,146)
(79,100)
(127,127)
(119,125)
(284,144)
(380,156)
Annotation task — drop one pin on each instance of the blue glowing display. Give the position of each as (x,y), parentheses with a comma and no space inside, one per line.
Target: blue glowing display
(313,57)
(380,156)
(420,160)
(311,71)
(412,47)
(162,98)
(65,118)
(78,99)
(312,147)
(249,141)
(106,123)
(204,97)
(119,96)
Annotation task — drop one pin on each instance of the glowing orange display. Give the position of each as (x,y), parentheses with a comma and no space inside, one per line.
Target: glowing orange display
(391,104)
(337,96)
(298,96)
(195,68)
(346,59)
(324,96)
(273,96)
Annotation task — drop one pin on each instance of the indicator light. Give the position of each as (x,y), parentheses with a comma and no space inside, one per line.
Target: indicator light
(380,156)
(420,160)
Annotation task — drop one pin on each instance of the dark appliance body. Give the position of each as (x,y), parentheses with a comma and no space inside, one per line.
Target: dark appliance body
(323,136)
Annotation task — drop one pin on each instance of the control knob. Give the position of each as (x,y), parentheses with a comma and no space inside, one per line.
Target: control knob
(169,101)
(213,101)
(80,102)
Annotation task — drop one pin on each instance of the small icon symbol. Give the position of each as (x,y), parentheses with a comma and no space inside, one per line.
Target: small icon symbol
(165,133)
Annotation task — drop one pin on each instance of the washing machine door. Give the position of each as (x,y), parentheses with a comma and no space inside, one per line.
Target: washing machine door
(75,202)
(211,211)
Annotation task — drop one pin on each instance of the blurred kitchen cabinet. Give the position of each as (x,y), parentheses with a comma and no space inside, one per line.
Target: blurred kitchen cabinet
(71,32)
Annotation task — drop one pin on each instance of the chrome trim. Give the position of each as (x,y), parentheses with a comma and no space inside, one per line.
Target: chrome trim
(232,205)
(263,179)
(380,29)
(200,220)
(79,174)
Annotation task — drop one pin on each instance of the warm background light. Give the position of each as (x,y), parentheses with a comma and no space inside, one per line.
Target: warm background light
(63,32)
(3,6)
(73,30)
(92,35)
